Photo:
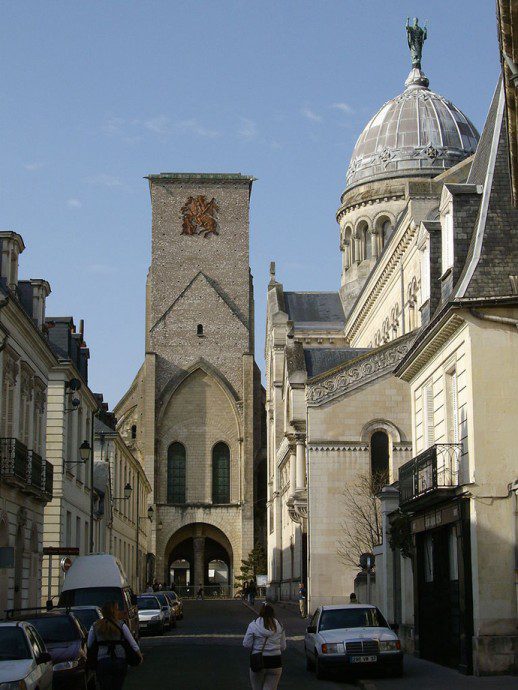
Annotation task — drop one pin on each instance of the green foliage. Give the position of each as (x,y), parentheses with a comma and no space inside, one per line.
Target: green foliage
(252,566)
(400,534)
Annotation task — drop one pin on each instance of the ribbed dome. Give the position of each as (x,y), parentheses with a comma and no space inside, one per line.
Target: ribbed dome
(416,133)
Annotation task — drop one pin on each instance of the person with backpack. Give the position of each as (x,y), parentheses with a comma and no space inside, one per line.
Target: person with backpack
(111,647)
(266,640)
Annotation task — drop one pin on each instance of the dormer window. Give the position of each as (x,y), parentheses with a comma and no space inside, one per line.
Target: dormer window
(447,241)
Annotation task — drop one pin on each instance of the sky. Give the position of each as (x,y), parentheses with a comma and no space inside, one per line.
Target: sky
(96,95)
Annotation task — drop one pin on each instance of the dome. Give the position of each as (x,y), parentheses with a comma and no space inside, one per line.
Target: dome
(418,133)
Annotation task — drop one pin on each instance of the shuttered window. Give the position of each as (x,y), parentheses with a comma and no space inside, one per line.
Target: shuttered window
(176,470)
(221,473)
(428,418)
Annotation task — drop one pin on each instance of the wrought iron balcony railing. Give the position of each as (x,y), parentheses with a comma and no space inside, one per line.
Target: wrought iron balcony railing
(14,461)
(434,470)
(35,473)
(48,478)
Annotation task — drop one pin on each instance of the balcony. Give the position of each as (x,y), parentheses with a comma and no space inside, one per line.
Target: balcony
(35,473)
(431,476)
(14,462)
(48,479)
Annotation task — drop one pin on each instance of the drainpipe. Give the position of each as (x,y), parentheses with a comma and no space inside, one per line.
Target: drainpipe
(507,320)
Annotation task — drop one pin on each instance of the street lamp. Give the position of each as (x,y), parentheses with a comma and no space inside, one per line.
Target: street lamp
(127,493)
(84,451)
(150,513)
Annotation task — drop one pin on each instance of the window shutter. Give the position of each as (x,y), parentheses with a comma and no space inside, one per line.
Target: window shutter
(428,416)
(454,408)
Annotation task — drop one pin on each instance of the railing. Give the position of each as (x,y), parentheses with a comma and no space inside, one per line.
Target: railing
(35,473)
(436,468)
(48,478)
(14,460)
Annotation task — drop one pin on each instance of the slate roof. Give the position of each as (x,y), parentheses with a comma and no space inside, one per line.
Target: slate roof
(315,309)
(101,428)
(493,251)
(321,359)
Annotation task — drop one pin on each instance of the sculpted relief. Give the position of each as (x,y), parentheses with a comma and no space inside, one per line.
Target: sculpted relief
(199,216)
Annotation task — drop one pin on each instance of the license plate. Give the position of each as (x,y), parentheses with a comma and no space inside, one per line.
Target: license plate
(363,659)
(143,625)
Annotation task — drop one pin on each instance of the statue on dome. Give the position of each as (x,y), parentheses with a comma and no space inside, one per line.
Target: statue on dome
(416,36)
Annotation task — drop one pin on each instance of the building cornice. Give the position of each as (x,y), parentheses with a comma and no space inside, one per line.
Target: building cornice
(357,372)
(338,446)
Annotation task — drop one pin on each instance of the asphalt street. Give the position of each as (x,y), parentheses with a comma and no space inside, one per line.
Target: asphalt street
(205,651)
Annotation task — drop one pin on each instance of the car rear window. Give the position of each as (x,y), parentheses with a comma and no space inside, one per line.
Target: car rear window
(13,644)
(351,618)
(162,599)
(147,603)
(92,596)
(56,628)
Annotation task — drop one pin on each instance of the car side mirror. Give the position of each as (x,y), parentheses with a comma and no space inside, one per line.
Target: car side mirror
(311,629)
(43,658)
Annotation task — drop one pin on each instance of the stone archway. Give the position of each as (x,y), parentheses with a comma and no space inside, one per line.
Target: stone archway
(189,553)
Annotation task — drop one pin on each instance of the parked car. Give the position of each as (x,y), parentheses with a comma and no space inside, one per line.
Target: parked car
(87,615)
(348,636)
(24,659)
(65,639)
(167,608)
(95,579)
(150,614)
(176,604)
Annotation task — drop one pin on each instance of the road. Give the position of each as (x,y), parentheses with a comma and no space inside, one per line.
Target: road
(205,651)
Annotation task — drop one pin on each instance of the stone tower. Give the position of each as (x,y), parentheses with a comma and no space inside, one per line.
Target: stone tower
(193,412)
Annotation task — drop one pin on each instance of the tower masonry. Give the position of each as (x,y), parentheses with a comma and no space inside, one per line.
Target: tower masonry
(193,412)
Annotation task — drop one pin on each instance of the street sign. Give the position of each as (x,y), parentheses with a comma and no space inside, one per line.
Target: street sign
(60,551)
(261,580)
(65,564)
(367,561)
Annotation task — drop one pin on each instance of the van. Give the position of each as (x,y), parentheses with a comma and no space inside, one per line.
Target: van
(98,578)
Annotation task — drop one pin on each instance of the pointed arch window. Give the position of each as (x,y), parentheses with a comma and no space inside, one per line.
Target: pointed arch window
(176,473)
(221,473)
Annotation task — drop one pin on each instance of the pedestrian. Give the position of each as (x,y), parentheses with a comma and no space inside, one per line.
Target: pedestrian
(302,600)
(155,586)
(149,588)
(245,590)
(252,592)
(199,593)
(352,598)
(109,637)
(266,639)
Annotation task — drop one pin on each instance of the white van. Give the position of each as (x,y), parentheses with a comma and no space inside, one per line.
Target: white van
(98,578)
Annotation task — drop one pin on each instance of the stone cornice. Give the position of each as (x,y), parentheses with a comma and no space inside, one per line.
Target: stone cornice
(381,198)
(338,446)
(357,372)
(377,281)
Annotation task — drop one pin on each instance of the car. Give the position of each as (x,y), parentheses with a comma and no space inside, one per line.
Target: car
(65,639)
(87,615)
(24,659)
(167,608)
(341,637)
(176,603)
(150,614)
(97,578)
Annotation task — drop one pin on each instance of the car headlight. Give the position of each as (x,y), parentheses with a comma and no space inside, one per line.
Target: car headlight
(332,648)
(66,665)
(390,646)
(14,685)
(156,618)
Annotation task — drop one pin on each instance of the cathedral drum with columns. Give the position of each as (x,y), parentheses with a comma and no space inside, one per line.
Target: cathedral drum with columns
(193,412)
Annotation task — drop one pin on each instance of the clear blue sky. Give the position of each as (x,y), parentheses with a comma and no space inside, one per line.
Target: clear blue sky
(95,95)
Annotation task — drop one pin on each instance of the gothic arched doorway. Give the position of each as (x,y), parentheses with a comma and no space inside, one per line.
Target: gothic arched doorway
(199,555)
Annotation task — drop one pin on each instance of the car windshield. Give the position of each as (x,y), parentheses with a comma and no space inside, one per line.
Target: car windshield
(13,644)
(147,603)
(56,628)
(162,599)
(86,616)
(92,596)
(351,618)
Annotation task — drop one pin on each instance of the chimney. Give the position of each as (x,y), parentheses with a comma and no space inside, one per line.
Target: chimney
(40,292)
(12,246)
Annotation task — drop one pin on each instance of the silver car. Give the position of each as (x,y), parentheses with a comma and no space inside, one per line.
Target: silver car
(150,614)
(348,636)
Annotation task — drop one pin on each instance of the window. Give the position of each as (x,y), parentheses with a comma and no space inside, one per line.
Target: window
(348,248)
(176,473)
(428,558)
(428,418)
(68,529)
(447,242)
(133,431)
(452,406)
(380,456)
(366,240)
(386,232)
(199,330)
(221,473)
(453,557)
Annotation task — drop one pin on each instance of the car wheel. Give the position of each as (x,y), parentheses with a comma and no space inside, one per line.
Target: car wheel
(310,665)
(319,671)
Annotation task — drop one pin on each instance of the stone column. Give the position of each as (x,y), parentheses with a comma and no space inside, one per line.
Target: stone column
(199,562)
(293,473)
(300,480)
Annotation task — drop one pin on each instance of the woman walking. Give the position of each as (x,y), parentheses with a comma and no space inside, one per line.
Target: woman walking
(266,639)
(110,638)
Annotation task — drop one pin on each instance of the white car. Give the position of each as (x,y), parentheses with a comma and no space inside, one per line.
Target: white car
(24,660)
(341,637)
(150,614)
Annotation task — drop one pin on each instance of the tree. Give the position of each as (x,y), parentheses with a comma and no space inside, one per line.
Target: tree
(361,527)
(252,566)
